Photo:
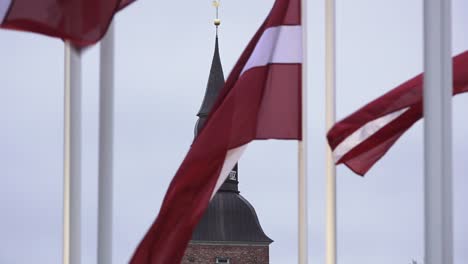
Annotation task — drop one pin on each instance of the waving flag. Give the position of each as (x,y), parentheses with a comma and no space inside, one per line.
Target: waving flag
(83,22)
(261,100)
(362,138)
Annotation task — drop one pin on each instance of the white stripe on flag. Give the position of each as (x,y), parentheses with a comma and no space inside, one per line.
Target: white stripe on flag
(281,44)
(363,133)
(4,6)
(232,157)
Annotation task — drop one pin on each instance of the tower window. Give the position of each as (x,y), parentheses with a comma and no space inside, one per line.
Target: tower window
(223,260)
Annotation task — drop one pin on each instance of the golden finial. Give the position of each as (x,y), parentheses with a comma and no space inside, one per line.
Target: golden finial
(217,21)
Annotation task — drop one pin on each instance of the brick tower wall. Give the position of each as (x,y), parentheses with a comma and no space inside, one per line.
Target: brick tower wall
(238,254)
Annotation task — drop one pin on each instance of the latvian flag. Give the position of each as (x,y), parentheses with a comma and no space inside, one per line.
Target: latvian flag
(260,100)
(362,138)
(83,22)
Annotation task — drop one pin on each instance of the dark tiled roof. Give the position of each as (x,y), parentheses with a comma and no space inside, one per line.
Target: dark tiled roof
(230,218)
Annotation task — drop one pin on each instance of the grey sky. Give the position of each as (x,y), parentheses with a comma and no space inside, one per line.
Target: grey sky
(163,55)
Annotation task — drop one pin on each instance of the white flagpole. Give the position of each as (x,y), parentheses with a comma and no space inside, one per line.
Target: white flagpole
(302,148)
(438,132)
(72,157)
(330,120)
(106,136)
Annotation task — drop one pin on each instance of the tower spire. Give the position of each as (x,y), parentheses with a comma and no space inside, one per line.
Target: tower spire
(230,225)
(214,86)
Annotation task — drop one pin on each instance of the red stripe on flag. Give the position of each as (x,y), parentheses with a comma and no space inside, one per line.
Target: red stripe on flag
(83,22)
(284,12)
(279,115)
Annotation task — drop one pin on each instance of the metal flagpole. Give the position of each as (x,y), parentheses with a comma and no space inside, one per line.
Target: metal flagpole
(330,120)
(302,148)
(72,157)
(438,132)
(106,136)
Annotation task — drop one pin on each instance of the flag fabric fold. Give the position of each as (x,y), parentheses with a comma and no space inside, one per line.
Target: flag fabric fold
(363,137)
(260,100)
(83,22)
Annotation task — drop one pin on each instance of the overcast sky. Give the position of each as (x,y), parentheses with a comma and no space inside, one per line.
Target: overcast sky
(163,54)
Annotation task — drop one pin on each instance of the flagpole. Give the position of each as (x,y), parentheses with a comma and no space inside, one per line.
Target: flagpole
(106,136)
(72,157)
(438,83)
(330,257)
(302,148)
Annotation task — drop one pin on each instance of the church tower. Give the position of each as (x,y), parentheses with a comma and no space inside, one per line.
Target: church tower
(229,231)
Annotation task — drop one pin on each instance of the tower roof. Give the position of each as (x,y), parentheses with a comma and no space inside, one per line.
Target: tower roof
(215,83)
(229,219)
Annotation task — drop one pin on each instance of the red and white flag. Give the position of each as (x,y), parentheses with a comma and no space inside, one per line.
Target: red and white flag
(83,22)
(260,100)
(362,138)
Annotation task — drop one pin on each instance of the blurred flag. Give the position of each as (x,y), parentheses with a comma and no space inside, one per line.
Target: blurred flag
(260,100)
(362,138)
(83,22)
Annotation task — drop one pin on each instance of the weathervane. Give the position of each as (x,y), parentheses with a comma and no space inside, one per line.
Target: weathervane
(217,21)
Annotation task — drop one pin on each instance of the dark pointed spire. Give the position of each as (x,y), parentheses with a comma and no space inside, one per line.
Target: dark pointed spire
(215,83)
(216,78)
